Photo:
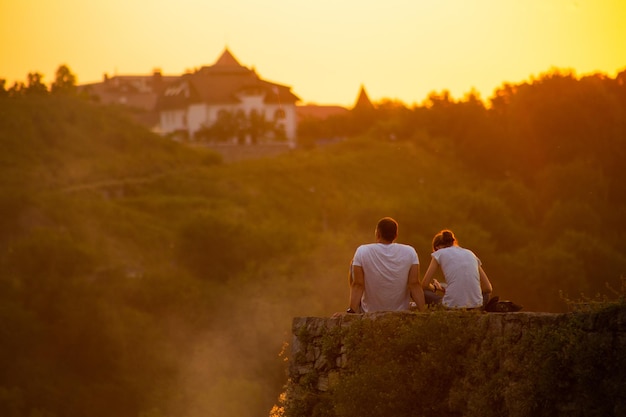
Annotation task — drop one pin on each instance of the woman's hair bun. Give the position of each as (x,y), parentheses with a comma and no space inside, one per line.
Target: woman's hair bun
(447,237)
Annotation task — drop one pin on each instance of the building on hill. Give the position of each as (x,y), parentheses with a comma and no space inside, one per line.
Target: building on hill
(227,102)
(323,112)
(138,92)
(323,124)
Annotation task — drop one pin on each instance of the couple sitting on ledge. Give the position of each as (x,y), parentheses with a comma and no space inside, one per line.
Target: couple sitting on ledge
(385,276)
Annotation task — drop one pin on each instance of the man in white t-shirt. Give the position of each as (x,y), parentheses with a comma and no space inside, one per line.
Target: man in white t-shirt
(385,275)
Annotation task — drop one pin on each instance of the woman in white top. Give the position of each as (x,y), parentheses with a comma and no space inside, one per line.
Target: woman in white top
(466,281)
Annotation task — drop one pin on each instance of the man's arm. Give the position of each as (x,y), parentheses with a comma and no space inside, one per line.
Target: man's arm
(417,294)
(350,276)
(357,287)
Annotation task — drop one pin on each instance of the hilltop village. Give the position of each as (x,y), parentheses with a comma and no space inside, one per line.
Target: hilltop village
(225,102)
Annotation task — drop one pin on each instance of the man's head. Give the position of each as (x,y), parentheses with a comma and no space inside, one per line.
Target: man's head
(387,229)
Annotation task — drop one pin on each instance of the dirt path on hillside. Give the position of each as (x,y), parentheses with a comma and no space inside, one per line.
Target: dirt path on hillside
(97,185)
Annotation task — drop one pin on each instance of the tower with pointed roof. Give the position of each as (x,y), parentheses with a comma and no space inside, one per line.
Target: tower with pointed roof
(363,101)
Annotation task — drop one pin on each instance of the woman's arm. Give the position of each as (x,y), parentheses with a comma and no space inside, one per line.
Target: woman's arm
(430,272)
(485,284)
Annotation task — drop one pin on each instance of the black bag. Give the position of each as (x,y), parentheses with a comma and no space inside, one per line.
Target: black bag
(505,306)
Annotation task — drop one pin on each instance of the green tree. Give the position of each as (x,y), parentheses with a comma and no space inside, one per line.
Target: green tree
(17,89)
(35,86)
(64,82)
(259,126)
(224,128)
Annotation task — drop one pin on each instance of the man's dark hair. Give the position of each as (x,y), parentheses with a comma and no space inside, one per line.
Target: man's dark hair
(388,229)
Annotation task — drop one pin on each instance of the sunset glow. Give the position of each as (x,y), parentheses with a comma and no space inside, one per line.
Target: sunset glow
(324,50)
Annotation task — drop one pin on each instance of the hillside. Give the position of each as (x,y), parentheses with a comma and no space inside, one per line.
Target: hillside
(141,277)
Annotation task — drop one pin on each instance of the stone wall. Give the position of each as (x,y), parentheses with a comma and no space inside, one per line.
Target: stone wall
(514,347)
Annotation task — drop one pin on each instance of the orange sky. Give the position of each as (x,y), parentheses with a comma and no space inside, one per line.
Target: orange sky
(323,49)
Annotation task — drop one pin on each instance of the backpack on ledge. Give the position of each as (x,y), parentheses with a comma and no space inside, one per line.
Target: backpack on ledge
(505,306)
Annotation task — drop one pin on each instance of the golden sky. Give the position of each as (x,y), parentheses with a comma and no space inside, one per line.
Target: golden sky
(323,49)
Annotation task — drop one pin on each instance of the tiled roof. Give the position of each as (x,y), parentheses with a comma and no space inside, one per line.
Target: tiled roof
(137,91)
(223,83)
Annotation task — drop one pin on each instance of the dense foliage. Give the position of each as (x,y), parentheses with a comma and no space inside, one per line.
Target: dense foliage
(461,364)
(141,277)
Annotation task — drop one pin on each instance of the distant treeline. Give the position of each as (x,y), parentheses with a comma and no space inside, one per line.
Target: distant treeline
(142,277)
(64,83)
(555,119)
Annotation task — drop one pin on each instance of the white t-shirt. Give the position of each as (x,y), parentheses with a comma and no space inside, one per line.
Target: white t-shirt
(386,271)
(460,268)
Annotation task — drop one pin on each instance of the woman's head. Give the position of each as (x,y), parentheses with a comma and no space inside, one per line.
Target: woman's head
(444,239)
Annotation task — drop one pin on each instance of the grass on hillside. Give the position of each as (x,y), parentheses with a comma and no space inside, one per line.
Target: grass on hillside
(170,269)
